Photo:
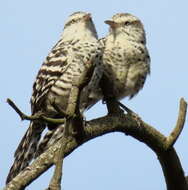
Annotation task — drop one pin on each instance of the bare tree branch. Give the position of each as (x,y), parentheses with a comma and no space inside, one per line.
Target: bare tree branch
(179,124)
(172,169)
(38,116)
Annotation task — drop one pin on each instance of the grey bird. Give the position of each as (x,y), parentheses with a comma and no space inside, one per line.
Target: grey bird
(76,52)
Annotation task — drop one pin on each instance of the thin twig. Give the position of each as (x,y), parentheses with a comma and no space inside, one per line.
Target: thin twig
(171,139)
(18,111)
(55,182)
(38,116)
(128,110)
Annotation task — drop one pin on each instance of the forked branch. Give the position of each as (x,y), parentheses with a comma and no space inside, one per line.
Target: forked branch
(161,145)
(38,116)
(171,139)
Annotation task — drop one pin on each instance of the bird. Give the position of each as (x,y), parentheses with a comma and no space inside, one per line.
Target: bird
(76,52)
(125,58)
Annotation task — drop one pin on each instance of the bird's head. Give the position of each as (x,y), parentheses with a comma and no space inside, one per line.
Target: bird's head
(128,25)
(78,23)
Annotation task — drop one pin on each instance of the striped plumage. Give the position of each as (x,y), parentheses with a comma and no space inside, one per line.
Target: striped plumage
(77,51)
(125,62)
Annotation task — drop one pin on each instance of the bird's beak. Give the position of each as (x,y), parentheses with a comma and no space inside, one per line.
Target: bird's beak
(111,23)
(87,17)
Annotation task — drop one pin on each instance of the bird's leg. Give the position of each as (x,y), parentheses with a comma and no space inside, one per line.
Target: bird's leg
(79,82)
(113,106)
(109,97)
(128,110)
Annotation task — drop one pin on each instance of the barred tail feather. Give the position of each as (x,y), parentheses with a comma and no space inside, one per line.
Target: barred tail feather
(26,149)
(49,139)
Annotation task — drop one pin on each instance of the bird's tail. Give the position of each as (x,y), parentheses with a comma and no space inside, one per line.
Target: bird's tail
(26,149)
(50,138)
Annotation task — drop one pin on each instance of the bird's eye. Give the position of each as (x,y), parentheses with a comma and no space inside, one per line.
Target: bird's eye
(73,20)
(127,23)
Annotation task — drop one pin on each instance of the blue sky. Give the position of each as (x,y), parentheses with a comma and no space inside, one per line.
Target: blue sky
(29,29)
